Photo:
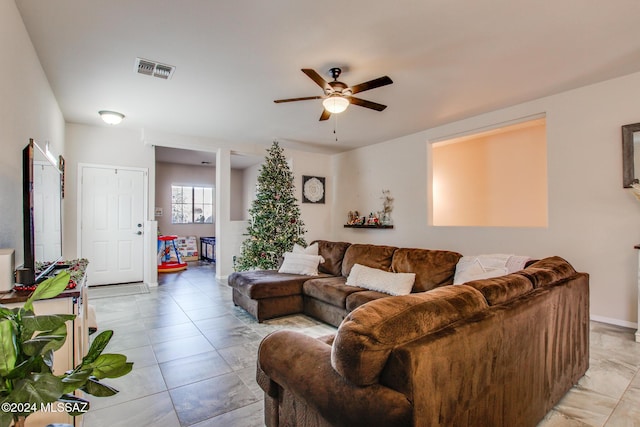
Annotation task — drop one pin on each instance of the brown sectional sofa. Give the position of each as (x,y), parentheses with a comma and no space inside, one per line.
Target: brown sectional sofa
(492,352)
(269,294)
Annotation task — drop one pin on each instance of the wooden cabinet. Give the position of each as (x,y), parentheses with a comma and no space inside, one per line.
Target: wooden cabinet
(73,301)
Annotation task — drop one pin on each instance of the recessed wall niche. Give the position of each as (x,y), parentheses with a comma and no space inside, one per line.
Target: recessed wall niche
(492,178)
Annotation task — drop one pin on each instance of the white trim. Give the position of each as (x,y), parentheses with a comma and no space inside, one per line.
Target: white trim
(488,128)
(616,322)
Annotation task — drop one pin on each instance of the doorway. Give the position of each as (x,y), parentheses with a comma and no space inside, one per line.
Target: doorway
(111,227)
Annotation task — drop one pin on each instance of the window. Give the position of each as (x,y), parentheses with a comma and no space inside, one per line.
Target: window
(496,178)
(191,204)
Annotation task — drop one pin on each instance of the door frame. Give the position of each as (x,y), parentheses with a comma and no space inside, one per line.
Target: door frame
(146,249)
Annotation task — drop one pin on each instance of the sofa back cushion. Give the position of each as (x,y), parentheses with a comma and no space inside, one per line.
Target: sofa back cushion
(368,334)
(547,271)
(333,253)
(499,290)
(433,268)
(374,256)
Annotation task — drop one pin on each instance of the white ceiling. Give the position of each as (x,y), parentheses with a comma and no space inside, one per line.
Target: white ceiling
(449,59)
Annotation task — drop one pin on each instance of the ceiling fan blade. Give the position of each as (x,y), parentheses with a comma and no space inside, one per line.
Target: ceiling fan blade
(306,98)
(325,115)
(371,84)
(367,104)
(316,78)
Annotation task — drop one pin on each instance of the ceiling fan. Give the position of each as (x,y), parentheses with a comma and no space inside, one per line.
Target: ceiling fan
(337,95)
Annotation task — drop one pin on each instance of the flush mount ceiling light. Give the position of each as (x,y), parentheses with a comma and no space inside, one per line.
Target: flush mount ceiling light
(335,104)
(111,117)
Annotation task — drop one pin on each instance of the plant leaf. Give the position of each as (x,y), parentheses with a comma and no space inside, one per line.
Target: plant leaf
(97,346)
(48,322)
(48,340)
(110,366)
(5,312)
(76,379)
(47,359)
(38,389)
(8,349)
(50,288)
(6,418)
(21,370)
(123,370)
(74,402)
(96,388)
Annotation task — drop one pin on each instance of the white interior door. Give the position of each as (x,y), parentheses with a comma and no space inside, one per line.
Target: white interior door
(112,224)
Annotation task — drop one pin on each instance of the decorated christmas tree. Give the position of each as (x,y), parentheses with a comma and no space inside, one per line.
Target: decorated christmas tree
(275,216)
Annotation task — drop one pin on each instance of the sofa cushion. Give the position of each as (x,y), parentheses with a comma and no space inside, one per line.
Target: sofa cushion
(374,256)
(382,281)
(499,290)
(332,290)
(261,284)
(548,270)
(333,253)
(369,333)
(356,299)
(433,268)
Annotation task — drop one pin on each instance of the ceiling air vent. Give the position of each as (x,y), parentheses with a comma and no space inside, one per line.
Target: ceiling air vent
(155,69)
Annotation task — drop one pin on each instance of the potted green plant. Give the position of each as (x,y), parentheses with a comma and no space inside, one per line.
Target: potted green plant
(27,343)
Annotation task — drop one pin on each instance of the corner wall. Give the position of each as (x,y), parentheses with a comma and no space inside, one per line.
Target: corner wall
(593,222)
(28,109)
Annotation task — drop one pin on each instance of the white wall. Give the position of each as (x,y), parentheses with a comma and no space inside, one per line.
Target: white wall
(28,109)
(110,146)
(316,217)
(249,181)
(593,222)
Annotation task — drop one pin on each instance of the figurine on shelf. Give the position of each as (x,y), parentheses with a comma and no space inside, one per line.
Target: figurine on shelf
(353,218)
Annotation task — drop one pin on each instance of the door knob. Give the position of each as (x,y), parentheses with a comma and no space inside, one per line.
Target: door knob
(139,233)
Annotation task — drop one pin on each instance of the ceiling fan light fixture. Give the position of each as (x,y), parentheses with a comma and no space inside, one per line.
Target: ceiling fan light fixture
(335,104)
(111,117)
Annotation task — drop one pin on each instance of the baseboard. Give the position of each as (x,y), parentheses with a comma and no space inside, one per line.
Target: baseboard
(152,284)
(616,322)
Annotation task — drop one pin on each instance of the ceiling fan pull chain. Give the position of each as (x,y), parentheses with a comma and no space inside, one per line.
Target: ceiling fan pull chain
(335,126)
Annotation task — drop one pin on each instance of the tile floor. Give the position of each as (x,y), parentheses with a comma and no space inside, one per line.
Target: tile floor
(195,356)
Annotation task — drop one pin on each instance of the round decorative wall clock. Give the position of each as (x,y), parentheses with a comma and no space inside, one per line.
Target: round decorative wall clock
(312,189)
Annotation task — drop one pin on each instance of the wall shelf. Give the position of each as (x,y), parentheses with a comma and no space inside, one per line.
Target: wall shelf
(368,226)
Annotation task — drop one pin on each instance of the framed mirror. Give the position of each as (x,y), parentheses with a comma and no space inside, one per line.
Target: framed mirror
(630,154)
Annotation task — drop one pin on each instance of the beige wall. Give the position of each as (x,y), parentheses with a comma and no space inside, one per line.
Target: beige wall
(28,109)
(497,178)
(172,173)
(238,207)
(593,222)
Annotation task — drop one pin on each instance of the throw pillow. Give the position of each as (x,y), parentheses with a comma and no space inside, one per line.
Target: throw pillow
(309,250)
(305,264)
(469,269)
(381,281)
